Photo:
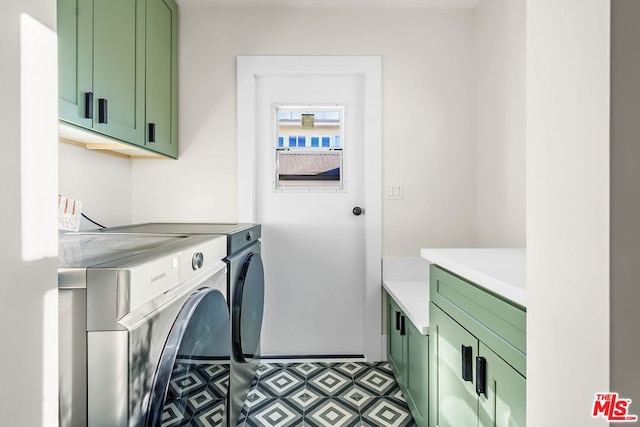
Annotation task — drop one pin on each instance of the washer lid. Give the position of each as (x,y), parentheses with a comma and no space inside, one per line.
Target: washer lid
(178,228)
(87,250)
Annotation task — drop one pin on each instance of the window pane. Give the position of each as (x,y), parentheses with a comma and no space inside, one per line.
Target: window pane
(312,169)
(326,141)
(315,141)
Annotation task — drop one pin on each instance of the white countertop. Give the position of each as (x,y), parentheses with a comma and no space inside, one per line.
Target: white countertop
(502,271)
(412,296)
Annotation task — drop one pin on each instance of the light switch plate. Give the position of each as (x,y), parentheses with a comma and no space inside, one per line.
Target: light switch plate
(394,191)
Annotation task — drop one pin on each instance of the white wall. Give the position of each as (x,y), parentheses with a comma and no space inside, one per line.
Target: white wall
(428,113)
(29,393)
(567,210)
(100,181)
(500,53)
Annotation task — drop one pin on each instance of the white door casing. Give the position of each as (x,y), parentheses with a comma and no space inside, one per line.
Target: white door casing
(367,71)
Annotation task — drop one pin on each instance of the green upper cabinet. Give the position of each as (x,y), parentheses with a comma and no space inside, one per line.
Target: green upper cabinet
(162,77)
(75,61)
(118,70)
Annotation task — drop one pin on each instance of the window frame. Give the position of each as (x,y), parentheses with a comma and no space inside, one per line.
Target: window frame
(314,184)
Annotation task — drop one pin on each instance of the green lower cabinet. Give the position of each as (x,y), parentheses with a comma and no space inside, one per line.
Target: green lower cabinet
(461,395)
(417,375)
(504,402)
(408,356)
(454,402)
(395,342)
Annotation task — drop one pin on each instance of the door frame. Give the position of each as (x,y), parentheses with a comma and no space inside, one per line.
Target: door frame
(249,68)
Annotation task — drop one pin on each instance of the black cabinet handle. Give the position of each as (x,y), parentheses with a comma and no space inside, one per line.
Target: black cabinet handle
(88,105)
(481,376)
(152,132)
(402,331)
(102,110)
(467,362)
(397,320)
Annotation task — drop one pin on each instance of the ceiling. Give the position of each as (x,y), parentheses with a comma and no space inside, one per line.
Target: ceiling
(402,4)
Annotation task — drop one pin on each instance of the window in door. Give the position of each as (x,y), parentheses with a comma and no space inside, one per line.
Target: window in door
(309,148)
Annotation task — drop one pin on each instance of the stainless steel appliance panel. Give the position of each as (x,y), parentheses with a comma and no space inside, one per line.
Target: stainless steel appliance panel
(121,352)
(72,360)
(122,364)
(107,379)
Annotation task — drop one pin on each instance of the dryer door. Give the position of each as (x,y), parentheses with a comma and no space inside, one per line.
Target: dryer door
(248,307)
(192,379)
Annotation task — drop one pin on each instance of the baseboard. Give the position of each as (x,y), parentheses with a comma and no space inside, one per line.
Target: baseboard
(297,358)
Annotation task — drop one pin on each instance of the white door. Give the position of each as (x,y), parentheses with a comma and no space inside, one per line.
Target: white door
(322,262)
(313,245)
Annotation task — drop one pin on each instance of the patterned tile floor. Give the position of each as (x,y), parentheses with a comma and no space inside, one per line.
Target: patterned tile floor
(196,395)
(352,394)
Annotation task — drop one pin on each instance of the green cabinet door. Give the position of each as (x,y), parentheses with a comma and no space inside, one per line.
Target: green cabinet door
(453,399)
(162,77)
(118,69)
(417,377)
(75,67)
(395,341)
(504,403)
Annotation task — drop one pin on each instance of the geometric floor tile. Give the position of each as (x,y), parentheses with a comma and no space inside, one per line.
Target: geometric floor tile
(171,416)
(377,381)
(332,412)
(212,417)
(276,412)
(314,394)
(305,397)
(196,395)
(307,369)
(358,397)
(384,412)
(329,382)
(351,368)
(280,382)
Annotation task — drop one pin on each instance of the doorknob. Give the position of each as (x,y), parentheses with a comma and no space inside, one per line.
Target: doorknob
(358,211)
